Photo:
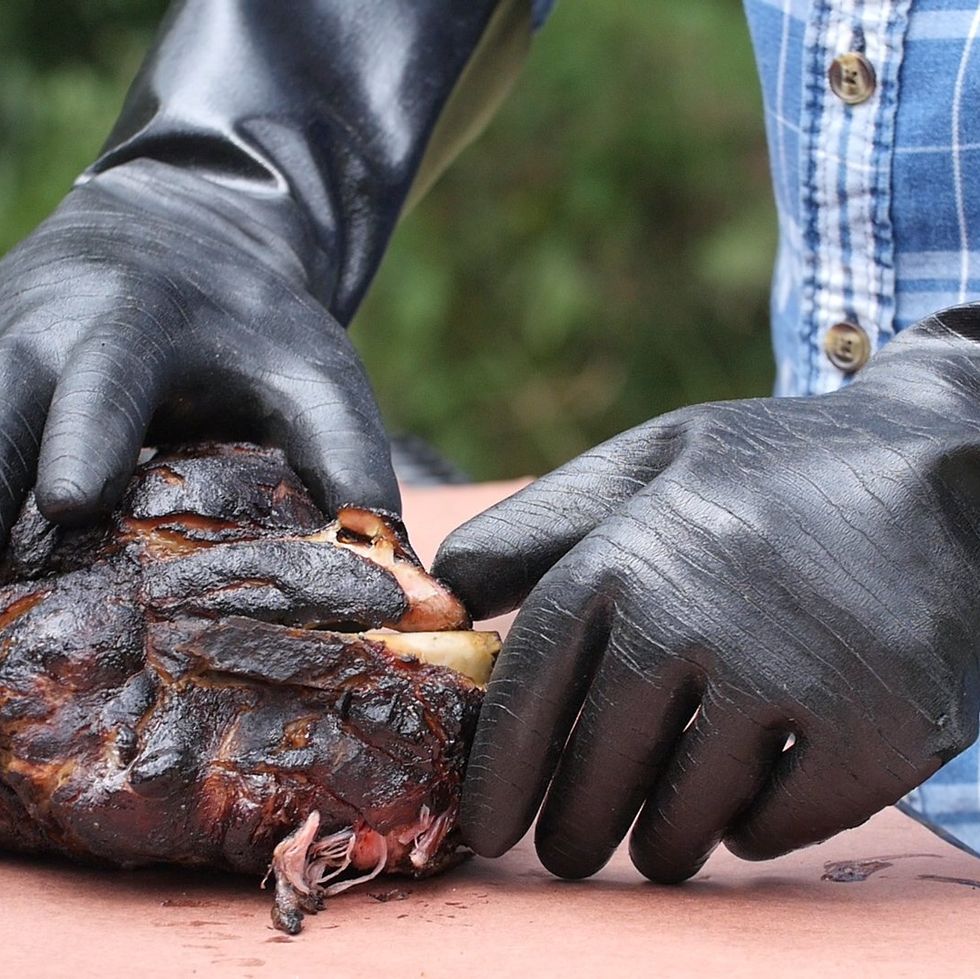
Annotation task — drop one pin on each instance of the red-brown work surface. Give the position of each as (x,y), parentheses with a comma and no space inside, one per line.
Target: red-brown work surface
(911,906)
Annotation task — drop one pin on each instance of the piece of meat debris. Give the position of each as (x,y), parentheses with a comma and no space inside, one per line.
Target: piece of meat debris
(210,678)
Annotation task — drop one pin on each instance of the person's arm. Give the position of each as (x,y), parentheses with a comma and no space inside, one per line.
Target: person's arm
(201,273)
(541,10)
(715,584)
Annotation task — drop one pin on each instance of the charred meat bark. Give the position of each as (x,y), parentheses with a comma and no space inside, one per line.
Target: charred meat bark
(209,679)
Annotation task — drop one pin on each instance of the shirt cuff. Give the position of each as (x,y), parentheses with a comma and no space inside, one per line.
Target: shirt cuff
(541,9)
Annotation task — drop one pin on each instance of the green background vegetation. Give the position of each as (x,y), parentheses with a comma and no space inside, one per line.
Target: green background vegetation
(600,256)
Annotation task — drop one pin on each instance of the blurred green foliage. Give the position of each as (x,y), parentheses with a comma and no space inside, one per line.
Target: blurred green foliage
(600,256)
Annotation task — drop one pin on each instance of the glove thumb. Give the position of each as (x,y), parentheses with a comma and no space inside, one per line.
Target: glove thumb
(494,560)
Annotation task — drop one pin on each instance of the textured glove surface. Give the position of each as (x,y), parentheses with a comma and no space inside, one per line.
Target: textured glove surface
(153,294)
(769,568)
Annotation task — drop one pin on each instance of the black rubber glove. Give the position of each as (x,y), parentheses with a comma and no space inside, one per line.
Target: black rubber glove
(200,274)
(804,567)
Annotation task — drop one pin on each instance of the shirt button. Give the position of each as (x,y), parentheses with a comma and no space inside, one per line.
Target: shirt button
(852,77)
(847,347)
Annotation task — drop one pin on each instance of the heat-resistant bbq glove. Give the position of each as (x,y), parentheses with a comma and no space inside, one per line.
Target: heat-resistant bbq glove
(717,584)
(198,278)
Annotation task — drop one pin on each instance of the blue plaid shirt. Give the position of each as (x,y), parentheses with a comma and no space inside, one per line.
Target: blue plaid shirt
(879,211)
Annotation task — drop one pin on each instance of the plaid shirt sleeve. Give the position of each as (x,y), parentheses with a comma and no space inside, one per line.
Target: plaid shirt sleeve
(541,9)
(879,211)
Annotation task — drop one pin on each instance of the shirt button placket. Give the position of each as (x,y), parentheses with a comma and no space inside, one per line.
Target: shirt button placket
(847,347)
(852,78)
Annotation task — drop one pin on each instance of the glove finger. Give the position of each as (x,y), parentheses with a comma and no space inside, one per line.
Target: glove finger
(537,688)
(816,792)
(331,431)
(627,730)
(494,560)
(720,765)
(108,391)
(26,386)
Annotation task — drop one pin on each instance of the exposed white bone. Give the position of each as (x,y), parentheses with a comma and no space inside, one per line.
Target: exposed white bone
(470,653)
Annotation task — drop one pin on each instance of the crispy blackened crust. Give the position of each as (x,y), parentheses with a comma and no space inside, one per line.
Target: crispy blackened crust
(158,704)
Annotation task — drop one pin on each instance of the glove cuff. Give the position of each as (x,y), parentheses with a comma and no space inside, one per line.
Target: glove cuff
(340,112)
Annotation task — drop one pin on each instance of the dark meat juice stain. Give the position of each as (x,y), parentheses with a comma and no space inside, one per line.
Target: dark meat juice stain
(394,895)
(852,871)
(964,881)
